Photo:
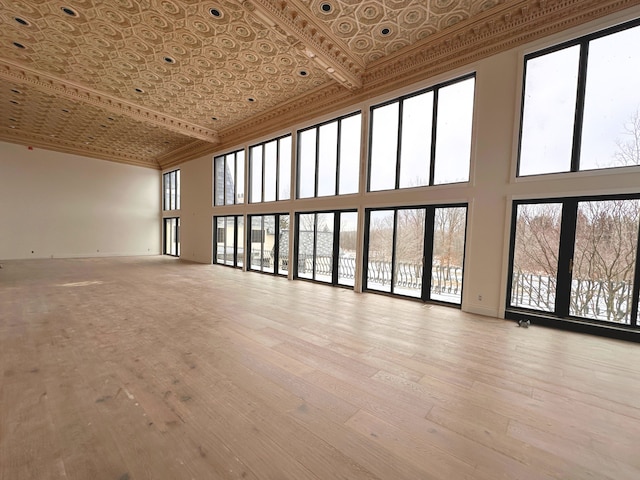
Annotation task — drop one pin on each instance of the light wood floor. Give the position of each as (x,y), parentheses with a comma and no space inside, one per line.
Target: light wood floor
(152,368)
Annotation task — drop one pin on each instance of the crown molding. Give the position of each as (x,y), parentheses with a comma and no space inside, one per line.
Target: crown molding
(188,152)
(53,85)
(57,145)
(291,19)
(507,26)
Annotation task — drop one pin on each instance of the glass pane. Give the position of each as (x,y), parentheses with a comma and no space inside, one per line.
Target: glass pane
(241,243)
(548,112)
(218,165)
(172,203)
(350,135)
(307,164)
(407,273)
(178,236)
(415,154)
(240,177)
(611,128)
(347,249)
(167,191)
(268,243)
(324,248)
(380,250)
(448,254)
(229,179)
(283,245)
(384,147)
(284,180)
(604,260)
(306,234)
(178,189)
(270,170)
(220,239)
(453,132)
(535,256)
(230,247)
(328,159)
(256,174)
(256,243)
(167,236)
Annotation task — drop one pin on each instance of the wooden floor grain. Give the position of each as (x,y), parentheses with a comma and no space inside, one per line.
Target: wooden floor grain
(153,368)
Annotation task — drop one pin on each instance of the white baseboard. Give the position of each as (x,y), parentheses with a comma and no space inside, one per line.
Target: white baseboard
(481,310)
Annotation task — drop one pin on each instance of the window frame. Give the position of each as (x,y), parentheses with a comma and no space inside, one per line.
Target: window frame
(276,243)
(278,181)
(171,190)
(581,84)
(434,131)
(236,182)
(236,240)
(317,128)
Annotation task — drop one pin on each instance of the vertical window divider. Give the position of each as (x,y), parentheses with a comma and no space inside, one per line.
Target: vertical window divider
(429,230)
(399,149)
(565,257)
(278,170)
(434,131)
(317,170)
(315,245)
(365,250)
(338,143)
(579,113)
(263,154)
(636,287)
(393,251)
(336,246)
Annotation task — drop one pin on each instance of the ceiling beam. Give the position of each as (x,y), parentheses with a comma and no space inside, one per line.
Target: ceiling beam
(293,19)
(53,85)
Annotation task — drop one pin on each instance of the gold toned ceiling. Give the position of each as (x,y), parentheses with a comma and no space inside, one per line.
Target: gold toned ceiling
(157,82)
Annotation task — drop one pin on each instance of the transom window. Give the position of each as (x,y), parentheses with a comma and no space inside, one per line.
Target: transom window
(329,158)
(228,182)
(423,138)
(581,104)
(270,170)
(171,187)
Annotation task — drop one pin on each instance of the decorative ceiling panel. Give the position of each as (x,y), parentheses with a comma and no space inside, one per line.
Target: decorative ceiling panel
(35,118)
(182,78)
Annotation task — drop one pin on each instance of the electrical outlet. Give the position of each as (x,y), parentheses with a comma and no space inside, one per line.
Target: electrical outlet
(479,298)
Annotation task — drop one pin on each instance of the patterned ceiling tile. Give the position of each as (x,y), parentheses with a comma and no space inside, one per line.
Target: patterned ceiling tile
(26,113)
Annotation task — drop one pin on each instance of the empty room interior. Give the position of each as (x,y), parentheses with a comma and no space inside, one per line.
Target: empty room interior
(319,239)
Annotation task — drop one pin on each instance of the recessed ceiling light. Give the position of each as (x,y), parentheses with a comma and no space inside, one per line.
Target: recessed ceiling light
(15,90)
(169,59)
(303,73)
(19,45)
(12,126)
(326,7)
(103,126)
(111,119)
(22,21)
(91,138)
(251,99)
(139,90)
(215,12)
(69,11)
(12,120)
(15,102)
(65,110)
(385,31)
(214,118)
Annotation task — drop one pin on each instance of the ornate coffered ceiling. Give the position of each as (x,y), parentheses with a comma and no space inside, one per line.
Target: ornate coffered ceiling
(157,82)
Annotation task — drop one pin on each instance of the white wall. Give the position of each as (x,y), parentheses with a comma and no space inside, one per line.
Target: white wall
(490,192)
(61,205)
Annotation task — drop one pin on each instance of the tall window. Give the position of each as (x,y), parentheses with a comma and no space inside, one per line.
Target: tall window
(229,240)
(416,252)
(228,181)
(171,187)
(171,236)
(270,170)
(329,158)
(581,104)
(326,246)
(268,243)
(422,139)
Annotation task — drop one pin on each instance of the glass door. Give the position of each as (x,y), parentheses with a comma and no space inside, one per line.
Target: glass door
(576,258)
